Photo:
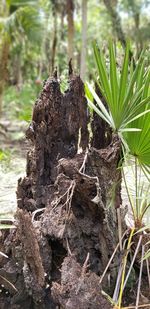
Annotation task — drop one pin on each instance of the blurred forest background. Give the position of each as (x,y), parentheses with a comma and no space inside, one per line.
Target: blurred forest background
(38,35)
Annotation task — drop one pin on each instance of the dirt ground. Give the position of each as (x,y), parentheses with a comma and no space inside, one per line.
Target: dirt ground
(14,165)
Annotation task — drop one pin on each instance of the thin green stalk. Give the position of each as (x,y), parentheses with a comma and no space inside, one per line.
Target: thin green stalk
(124,268)
(144,211)
(136,189)
(135,254)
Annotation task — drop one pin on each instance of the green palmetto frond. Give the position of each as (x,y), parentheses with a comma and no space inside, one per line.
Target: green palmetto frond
(128,100)
(24,22)
(21,2)
(139,144)
(121,91)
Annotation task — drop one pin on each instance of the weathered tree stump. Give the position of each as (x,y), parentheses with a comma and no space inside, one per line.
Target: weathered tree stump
(66,231)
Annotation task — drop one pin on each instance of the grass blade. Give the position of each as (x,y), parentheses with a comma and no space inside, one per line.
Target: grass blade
(98,101)
(113,76)
(124,76)
(102,72)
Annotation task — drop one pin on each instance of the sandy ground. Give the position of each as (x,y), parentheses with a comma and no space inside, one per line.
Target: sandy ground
(14,167)
(9,177)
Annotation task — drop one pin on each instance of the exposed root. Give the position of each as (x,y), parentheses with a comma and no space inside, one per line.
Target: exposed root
(68,247)
(9,283)
(83,272)
(37,211)
(68,194)
(82,168)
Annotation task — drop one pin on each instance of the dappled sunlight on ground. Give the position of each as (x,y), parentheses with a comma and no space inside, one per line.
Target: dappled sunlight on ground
(9,177)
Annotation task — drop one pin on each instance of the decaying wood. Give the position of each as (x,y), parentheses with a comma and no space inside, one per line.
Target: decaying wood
(102,133)
(68,195)
(77,290)
(32,268)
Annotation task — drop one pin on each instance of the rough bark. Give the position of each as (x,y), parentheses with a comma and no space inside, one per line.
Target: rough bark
(102,133)
(84,289)
(66,230)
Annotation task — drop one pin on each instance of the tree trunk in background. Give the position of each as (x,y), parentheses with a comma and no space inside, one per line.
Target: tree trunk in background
(62,16)
(3,68)
(116,22)
(136,16)
(17,71)
(84,39)
(70,19)
(54,42)
(137,27)
(4,52)
(139,43)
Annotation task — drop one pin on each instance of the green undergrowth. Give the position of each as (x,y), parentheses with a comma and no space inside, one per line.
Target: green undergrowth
(18,104)
(5,158)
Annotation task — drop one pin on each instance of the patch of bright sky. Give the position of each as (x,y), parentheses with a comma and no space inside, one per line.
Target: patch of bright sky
(145,11)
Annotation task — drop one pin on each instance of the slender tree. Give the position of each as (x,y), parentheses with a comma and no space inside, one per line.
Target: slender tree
(70,19)
(116,24)
(84,39)
(54,40)
(16,21)
(116,21)
(4,52)
(134,9)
